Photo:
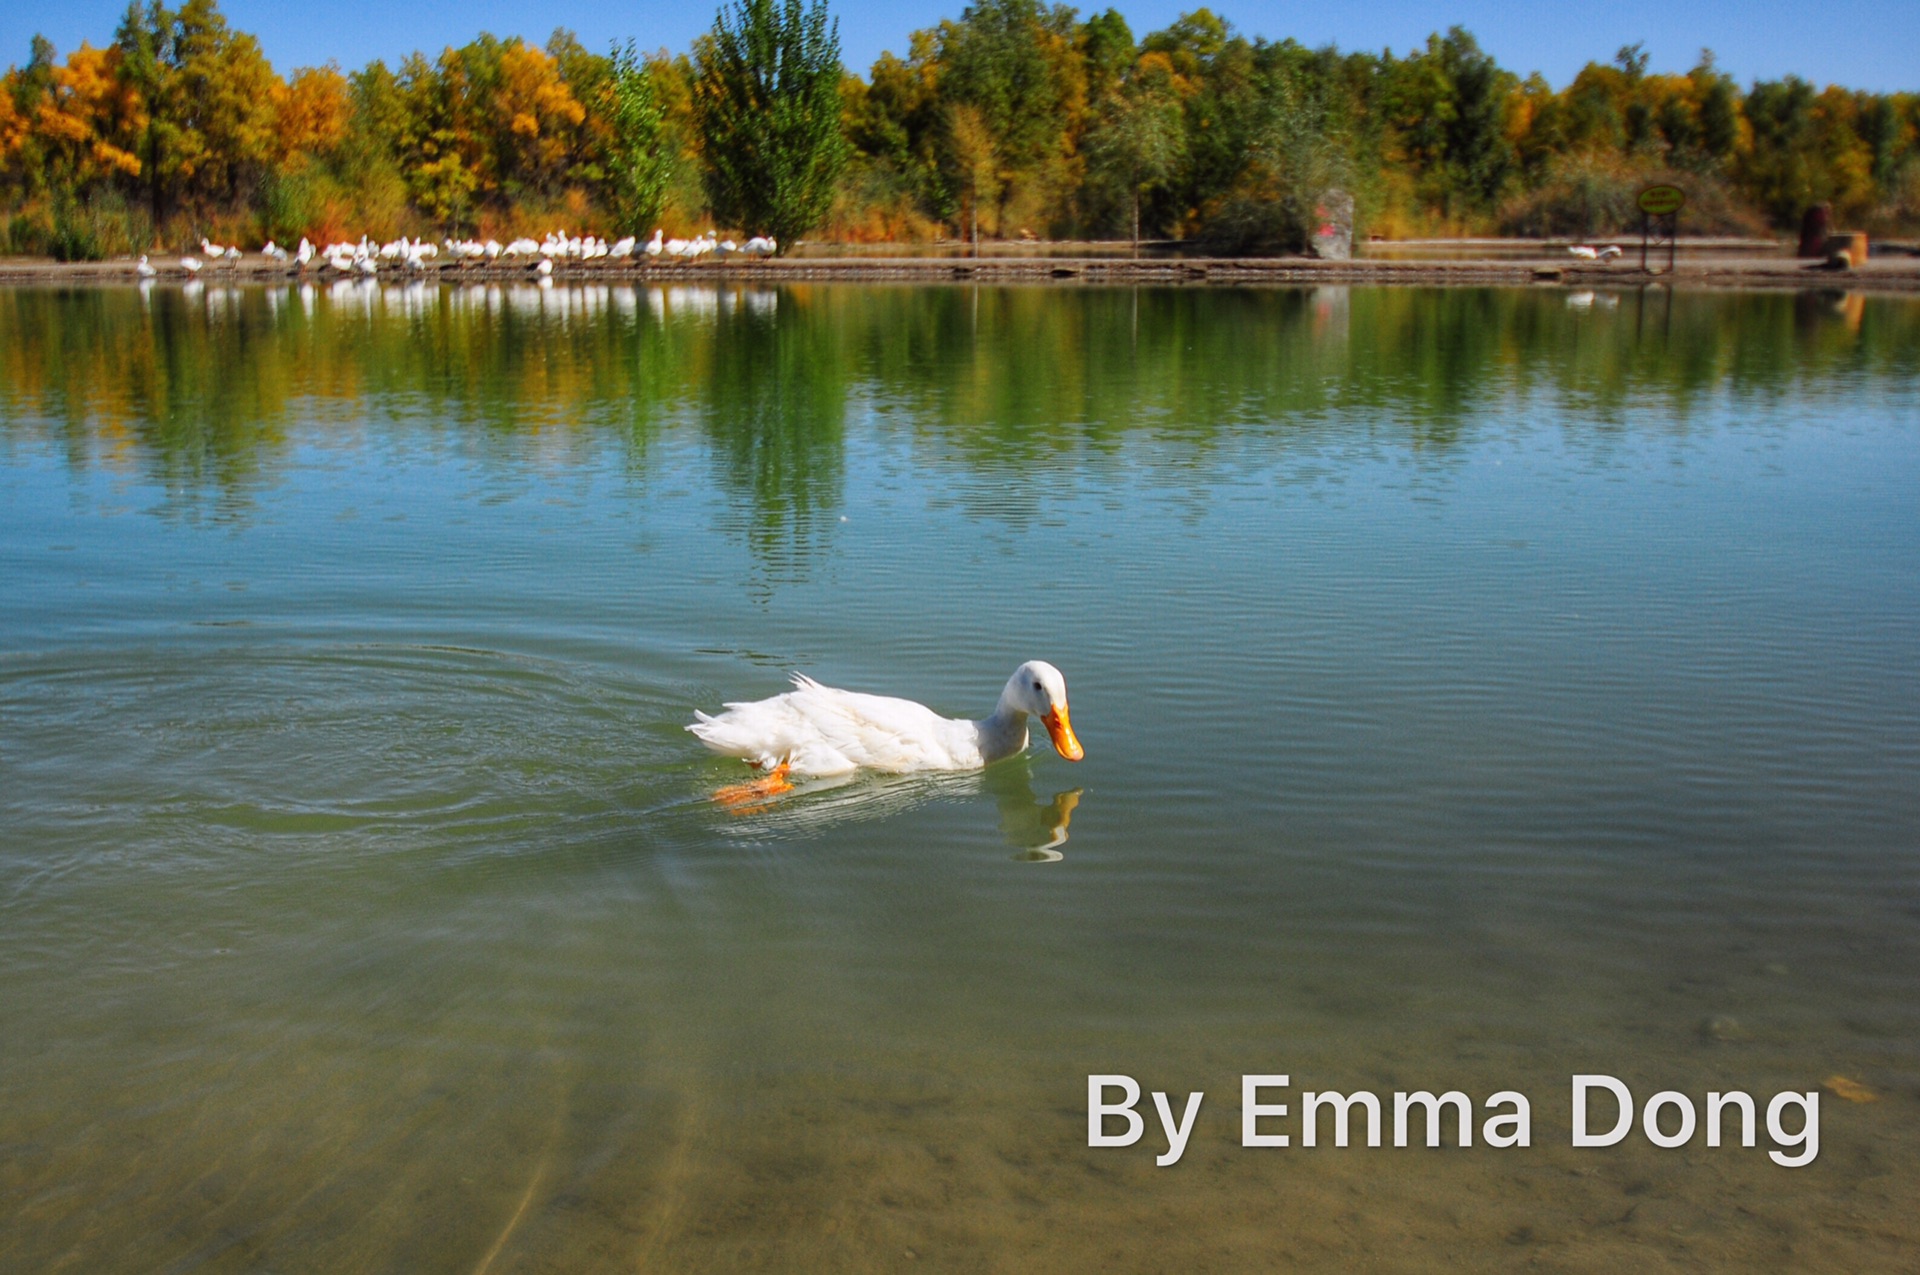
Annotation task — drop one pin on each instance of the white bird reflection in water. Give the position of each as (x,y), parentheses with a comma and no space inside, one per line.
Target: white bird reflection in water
(1021,821)
(1036,829)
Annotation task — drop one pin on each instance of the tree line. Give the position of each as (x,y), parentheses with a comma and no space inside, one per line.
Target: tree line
(1015,119)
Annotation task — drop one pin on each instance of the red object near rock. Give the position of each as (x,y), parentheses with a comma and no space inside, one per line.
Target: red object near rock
(1815,226)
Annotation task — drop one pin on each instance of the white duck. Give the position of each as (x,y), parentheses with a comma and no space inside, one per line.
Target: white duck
(818,730)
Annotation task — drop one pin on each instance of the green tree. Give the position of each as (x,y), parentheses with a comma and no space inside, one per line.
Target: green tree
(1106,44)
(1782,172)
(976,165)
(1223,113)
(903,127)
(1448,104)
(767,102)
(438,149)
(1001,59)
(145,43)
(1880,128)
(1479,156)
(641,155)
(1296,155)
(1719,109)
(1139,141)
(210,96)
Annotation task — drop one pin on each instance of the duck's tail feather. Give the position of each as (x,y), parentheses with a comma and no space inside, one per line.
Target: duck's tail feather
(729,740)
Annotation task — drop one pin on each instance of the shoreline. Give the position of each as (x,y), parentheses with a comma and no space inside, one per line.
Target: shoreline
(1705,270)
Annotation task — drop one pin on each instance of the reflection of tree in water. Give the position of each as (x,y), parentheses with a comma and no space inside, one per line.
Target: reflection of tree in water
(1016,380)
(1014,394)
(774,408)
(148,373)
(202,422)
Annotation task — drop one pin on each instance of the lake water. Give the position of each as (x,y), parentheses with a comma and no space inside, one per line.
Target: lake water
(1478,687)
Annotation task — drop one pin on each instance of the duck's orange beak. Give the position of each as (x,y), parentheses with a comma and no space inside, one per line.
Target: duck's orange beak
(1060,728)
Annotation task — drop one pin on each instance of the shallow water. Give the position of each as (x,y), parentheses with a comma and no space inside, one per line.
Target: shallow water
(1478,687)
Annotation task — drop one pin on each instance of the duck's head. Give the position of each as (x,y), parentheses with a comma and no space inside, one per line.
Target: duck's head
(1037,687)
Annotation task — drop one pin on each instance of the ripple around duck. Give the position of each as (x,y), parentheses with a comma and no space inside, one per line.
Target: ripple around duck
(351,750)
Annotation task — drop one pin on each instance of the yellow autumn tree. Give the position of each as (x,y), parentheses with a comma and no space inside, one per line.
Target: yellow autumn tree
(1849,160)
(312,113)
(542,117)
(90,118)
(13,128)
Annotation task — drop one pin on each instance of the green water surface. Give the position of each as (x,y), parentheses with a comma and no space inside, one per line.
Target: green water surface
(1478,687)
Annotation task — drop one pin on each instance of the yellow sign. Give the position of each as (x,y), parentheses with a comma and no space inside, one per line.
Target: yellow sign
(1662,201)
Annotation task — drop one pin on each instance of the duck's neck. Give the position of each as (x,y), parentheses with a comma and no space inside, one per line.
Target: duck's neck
(1004,733)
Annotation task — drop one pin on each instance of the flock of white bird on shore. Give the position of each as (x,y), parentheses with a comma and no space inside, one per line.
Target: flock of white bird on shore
(366,257)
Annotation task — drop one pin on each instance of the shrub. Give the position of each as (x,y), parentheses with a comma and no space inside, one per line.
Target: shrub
(1585,196)
(1581,197)
(68,228)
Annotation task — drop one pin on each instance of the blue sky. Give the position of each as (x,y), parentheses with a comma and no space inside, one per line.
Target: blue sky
(1868,44)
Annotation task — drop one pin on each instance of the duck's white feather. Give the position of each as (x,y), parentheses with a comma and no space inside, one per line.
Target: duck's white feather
(821,730)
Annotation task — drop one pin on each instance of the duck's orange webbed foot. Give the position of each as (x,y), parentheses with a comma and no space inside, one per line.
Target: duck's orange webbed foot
(755,791)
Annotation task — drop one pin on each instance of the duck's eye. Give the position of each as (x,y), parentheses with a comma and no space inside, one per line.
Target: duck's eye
(1037,686)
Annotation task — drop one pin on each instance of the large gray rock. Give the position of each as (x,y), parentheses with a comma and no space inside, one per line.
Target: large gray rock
(1333,237)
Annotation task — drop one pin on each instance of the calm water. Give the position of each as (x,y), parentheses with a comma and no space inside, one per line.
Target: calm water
(1477,686)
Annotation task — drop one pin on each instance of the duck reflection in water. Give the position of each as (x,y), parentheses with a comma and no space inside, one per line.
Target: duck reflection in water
(1036,829)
